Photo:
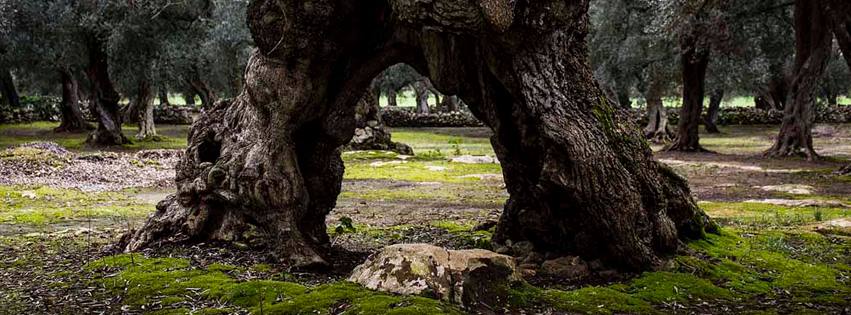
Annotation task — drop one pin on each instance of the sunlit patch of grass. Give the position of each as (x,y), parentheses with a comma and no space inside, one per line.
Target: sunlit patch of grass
(423,141)
(44,205)
(753,214)
(170,136)
(421,171)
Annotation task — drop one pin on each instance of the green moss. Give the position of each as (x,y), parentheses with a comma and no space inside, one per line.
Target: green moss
(661,287)
(171,136)
(588,300)
(431,140)
(753,214)
(41,205)
(35,155)
(142,280)
(322,299)
(749,265)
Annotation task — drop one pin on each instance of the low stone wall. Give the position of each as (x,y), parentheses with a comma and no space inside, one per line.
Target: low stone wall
(404,118)
(752,116)
(46,108)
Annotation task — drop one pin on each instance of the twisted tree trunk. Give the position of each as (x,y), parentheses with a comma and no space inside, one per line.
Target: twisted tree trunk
(581,178)
(812,49)
(657,129)
(8,89)
(72,116)
(203,90)
(421,89)
(163,96)
(450,103)
(104,99)
(694,60)
(709,121)
(392,97)
(370,132)
(145,112)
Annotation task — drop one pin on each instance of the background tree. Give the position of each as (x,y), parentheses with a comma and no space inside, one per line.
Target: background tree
(813,39)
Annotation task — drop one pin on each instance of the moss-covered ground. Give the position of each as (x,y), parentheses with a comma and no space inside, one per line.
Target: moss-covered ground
(767,259)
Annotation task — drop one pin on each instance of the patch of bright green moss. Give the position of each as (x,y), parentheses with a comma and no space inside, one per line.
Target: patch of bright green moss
(145,280)
(660,287)
(747,264)
(322,299)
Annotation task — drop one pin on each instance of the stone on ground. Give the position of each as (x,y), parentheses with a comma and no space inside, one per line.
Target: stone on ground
(794,189)
(472,278)
(474,159)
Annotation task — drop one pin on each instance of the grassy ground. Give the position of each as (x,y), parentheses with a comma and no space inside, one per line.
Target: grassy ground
(768,259)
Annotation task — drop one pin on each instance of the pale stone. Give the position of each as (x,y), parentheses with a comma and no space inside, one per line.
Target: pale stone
(462,276)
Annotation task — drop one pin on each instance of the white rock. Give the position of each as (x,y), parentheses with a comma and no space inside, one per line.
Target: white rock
(474,159)
(794,189)
(462,276)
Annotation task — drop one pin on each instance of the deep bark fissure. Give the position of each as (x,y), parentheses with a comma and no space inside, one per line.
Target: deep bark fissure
(581,179)
(72,116)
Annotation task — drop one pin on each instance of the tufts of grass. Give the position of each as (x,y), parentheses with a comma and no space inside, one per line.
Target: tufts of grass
(419,171)
(752,214)
(45,205)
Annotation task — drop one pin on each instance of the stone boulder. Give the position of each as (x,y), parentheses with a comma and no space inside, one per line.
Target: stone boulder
(473,278)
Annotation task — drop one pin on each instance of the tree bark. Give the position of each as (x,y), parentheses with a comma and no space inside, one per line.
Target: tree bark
(163,95)
(189,98)
(391,97)
(694,60)
(709,121)
(657,129)
(839,13)
(145,112)
(450,103)
(104,99)
(7,86)
(370,132)
(581,179)
(421,89)
(774,95)
(72,116)
(812,49)
(203,90)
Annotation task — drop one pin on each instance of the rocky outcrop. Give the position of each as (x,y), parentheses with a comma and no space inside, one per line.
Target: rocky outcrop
(469,277)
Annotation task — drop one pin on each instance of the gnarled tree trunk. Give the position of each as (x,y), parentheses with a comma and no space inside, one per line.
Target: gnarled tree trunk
(709,121)
(189,98)
(421,89)
(72,116)
(812,49)
(8,89)
(370,132)
(163,96)
(657,129)
(104,99)
(145,112)
(581,179)
(694,60)
(450,103)
(392,97)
